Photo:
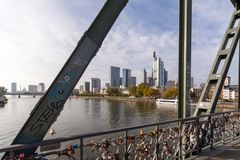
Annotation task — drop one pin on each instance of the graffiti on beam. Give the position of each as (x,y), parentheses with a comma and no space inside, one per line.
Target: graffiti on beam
(47,114)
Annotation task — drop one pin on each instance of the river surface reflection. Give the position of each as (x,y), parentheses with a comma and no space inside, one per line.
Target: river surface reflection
(83,115)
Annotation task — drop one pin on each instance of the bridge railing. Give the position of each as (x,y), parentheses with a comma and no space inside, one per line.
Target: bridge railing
(165,140)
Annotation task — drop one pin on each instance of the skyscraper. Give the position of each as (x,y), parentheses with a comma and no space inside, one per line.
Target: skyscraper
(14,87)
(158,71)
(144,76)
(114,76)
(32,88)
(192,82)
(41,87)
(165,77)
(132,81)
(86,87)
(121,81)
(126,77)
(150,81)
(95,85)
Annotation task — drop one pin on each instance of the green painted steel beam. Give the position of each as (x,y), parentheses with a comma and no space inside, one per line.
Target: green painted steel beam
(184,61)
(212,90)
(235,2)
(180,60)
(49,107)
(237,6)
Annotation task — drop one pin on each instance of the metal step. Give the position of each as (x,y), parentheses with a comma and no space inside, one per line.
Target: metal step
(232,30)
(214,76)
(224,52)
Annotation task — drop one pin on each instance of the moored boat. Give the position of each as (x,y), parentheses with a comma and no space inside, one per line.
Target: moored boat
(167,101)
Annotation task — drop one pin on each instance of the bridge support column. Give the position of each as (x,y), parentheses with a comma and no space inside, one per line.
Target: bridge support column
(184,61)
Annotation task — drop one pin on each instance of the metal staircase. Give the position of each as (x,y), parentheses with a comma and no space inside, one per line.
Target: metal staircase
(211,91)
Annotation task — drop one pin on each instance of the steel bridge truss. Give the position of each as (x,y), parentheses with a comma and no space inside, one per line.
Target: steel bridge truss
(212,89)
(49,107)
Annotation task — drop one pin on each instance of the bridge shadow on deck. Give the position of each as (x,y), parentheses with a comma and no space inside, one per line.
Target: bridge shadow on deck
(232,153)
(229,151)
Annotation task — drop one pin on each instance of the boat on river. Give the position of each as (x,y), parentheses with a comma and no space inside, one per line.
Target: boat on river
(167,101)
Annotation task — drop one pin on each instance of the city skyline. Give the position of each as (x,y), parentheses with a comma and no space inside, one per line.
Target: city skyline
(159,71)
(37,44)
(34,88)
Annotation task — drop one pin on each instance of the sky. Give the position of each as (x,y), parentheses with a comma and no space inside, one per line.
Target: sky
(38,36)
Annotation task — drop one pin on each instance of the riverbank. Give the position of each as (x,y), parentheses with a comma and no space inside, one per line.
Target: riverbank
(222,107)
(131,99)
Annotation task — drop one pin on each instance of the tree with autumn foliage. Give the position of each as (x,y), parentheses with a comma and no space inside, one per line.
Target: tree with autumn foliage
(113,91)
(170,93)
(143,90)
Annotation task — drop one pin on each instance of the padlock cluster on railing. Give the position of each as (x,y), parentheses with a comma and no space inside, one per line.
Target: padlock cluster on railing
(179,137)
(141,145)
(69,152)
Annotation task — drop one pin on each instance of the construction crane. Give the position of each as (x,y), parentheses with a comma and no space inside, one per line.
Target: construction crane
(51,104)
(212,89)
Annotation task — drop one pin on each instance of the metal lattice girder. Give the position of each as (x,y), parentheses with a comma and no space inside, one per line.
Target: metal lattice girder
(235,2)
(51,104)
(211,91)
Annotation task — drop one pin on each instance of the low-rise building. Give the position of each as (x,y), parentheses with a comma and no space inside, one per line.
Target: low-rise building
(197,92)
(230,92)
(103,91)
(125,91)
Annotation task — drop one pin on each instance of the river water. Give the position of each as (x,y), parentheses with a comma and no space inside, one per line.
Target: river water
(83,115)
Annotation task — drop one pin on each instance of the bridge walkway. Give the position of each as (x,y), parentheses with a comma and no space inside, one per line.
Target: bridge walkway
(229,151)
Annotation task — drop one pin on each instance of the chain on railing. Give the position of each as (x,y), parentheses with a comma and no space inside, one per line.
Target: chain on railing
(166,140)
